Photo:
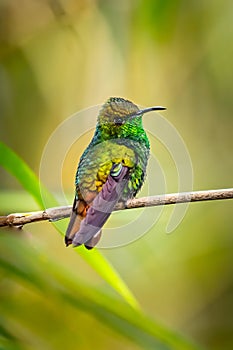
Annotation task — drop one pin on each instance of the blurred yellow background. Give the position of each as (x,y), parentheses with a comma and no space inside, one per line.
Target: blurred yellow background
(60,56)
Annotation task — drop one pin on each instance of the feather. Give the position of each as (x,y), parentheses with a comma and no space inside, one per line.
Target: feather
(79,211)
(101,208)
(94,240)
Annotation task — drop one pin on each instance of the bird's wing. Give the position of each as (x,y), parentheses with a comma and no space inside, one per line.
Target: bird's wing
(89,229)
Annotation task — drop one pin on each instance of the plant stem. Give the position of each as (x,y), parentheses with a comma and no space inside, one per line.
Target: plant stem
(58,213)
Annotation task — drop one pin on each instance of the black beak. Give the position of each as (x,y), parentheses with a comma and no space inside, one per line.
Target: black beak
(150,109)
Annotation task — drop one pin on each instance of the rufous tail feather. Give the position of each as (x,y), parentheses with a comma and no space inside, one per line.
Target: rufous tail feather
(78,213)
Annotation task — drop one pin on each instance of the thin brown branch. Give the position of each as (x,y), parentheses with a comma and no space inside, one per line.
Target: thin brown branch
(58,213)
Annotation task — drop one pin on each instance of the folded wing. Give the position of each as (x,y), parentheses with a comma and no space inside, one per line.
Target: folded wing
(86,221)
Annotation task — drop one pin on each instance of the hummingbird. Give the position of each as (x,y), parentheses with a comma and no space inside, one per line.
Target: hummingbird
(112,169)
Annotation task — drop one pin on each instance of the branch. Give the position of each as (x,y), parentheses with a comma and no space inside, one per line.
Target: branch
(58,213)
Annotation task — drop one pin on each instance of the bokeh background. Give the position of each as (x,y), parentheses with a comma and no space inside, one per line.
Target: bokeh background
(60,56)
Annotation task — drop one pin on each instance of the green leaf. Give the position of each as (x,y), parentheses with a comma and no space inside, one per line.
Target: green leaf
(18,168)
(33,270)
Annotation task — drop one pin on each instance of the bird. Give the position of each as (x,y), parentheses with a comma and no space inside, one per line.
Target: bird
(112,169)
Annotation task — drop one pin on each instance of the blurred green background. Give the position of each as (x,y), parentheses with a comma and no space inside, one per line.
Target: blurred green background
(60,56)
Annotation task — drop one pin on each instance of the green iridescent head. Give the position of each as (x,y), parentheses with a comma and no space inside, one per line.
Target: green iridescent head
(117,111)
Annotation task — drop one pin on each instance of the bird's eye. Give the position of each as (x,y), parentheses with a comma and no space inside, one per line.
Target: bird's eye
(118,121)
